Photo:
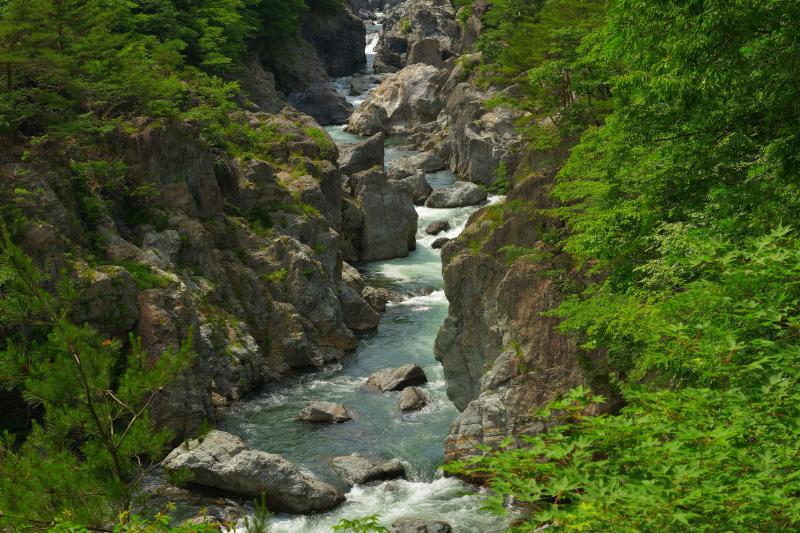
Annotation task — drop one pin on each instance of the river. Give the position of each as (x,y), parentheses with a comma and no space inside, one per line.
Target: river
(406,334)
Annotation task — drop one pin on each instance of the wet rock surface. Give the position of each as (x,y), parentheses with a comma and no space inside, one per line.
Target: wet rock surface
(435,228)
(357,469)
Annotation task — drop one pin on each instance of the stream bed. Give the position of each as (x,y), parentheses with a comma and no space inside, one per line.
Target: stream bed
(406,335)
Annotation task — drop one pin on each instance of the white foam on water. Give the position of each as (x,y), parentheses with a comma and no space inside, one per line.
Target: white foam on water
(442,499)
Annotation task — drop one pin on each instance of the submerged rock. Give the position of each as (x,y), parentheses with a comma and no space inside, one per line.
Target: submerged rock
(223,461)
(420,525)
(435,228)
(393,379)
(362,156)
(325,412)
(412,399)
(356,469)
(459,194)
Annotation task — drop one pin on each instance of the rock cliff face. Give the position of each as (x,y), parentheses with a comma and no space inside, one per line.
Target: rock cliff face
(502,359)
(242,255)
(411,21)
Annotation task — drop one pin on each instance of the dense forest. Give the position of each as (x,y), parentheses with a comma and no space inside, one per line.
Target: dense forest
(678,204)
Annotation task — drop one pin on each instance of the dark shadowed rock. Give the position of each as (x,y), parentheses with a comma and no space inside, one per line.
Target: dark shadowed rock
(223,461)
(356,469)
(322,102)
(459,194)
(435,228)
(362,156)
(392,379)
(440,242)
(420,525)
(412,399)
(358,314)
(325,412)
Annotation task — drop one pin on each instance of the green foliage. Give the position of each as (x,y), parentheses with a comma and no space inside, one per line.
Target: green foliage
(144,276)
(366,524)
(682,209)
(259,522)
(83,458)
(405,26)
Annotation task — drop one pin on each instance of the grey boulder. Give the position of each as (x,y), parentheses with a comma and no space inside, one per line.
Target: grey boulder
(377,297)
(420,525)
(223,461)
(362,156)
(408,166)
(356,469)
(412,399)
(440,242)
(358,314)
(435,228)
(459,194)
(418,186)
(393,379)
(325,412)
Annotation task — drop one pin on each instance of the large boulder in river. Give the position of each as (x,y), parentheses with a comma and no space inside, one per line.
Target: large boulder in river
(223,461)
(440,242)
(362,156)
(412,399)
(378,297)
(408,166)
(356,469)
(435,228)
(325,412)
(322,102)
(358,314)
(402,101)
(459,194)
(420,525)
(393,379)
(389,219)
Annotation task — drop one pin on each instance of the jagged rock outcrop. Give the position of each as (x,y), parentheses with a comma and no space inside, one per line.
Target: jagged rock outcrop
(338,38)
(242,254)
(459,194)
(410,22)
(223,461)
(502,359)
(322,102)
(388,218)
(402,101)
(362,156)
(403,167)
(357,469)
(418,186)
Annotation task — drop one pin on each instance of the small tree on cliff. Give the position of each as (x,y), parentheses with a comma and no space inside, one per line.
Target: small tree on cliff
(94,437)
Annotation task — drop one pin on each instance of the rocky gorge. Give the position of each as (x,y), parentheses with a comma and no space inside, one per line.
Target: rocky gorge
(304,267)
